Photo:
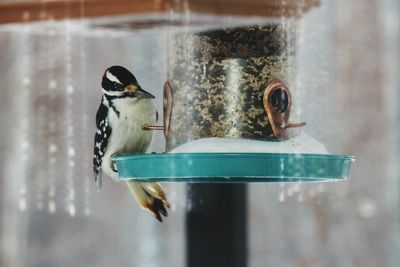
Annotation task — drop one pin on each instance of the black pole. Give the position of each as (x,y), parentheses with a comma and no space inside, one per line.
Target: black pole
(216,225)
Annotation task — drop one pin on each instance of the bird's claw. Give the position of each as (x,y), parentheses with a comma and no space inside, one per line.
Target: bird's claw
(158,208)
(151,197)
(157,201)
(113,163)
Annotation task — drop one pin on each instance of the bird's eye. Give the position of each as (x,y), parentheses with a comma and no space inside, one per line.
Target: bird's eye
(279,100)
(118,86)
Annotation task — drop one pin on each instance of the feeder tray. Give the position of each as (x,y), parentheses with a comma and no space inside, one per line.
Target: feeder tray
(234,167)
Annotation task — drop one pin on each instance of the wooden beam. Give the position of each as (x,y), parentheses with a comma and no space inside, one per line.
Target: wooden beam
(34,10)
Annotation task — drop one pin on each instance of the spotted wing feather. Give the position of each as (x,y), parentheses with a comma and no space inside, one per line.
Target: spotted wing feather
(103,133)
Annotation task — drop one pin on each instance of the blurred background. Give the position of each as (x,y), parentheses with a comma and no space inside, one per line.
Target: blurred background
(53,54)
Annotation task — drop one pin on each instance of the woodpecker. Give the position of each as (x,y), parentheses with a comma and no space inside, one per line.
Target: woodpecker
(124,108)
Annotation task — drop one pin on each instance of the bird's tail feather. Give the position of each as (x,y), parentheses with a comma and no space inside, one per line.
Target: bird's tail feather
(98,180)
(150,196)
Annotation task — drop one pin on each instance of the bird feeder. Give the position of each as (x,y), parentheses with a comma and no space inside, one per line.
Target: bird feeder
(229,107)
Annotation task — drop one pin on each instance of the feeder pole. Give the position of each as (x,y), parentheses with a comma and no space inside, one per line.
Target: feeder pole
(216,225)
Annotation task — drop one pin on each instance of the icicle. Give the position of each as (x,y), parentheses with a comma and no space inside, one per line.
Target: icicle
(69,121)
(282,195)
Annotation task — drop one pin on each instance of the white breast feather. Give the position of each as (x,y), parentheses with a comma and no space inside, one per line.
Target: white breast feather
(127,136)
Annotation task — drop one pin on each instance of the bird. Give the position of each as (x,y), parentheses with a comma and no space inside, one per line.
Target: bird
(124,108)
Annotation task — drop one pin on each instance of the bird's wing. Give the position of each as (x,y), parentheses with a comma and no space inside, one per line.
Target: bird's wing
(103,133)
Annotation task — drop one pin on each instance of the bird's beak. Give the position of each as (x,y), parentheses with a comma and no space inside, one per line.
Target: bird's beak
(143,94)
(139,92)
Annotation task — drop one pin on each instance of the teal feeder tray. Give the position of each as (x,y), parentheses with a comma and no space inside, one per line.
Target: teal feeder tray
(234,167)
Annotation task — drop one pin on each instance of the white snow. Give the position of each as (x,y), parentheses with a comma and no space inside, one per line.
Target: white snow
(302,143)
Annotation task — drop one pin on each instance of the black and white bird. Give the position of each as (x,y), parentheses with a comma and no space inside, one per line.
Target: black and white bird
(125,107)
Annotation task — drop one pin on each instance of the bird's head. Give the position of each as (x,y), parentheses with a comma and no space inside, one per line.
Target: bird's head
(120,82)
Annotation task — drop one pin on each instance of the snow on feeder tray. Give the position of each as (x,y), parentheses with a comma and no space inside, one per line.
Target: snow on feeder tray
(227,106)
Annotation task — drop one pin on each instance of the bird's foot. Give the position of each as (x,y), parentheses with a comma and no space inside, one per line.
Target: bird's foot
(113,163)
(151,197)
